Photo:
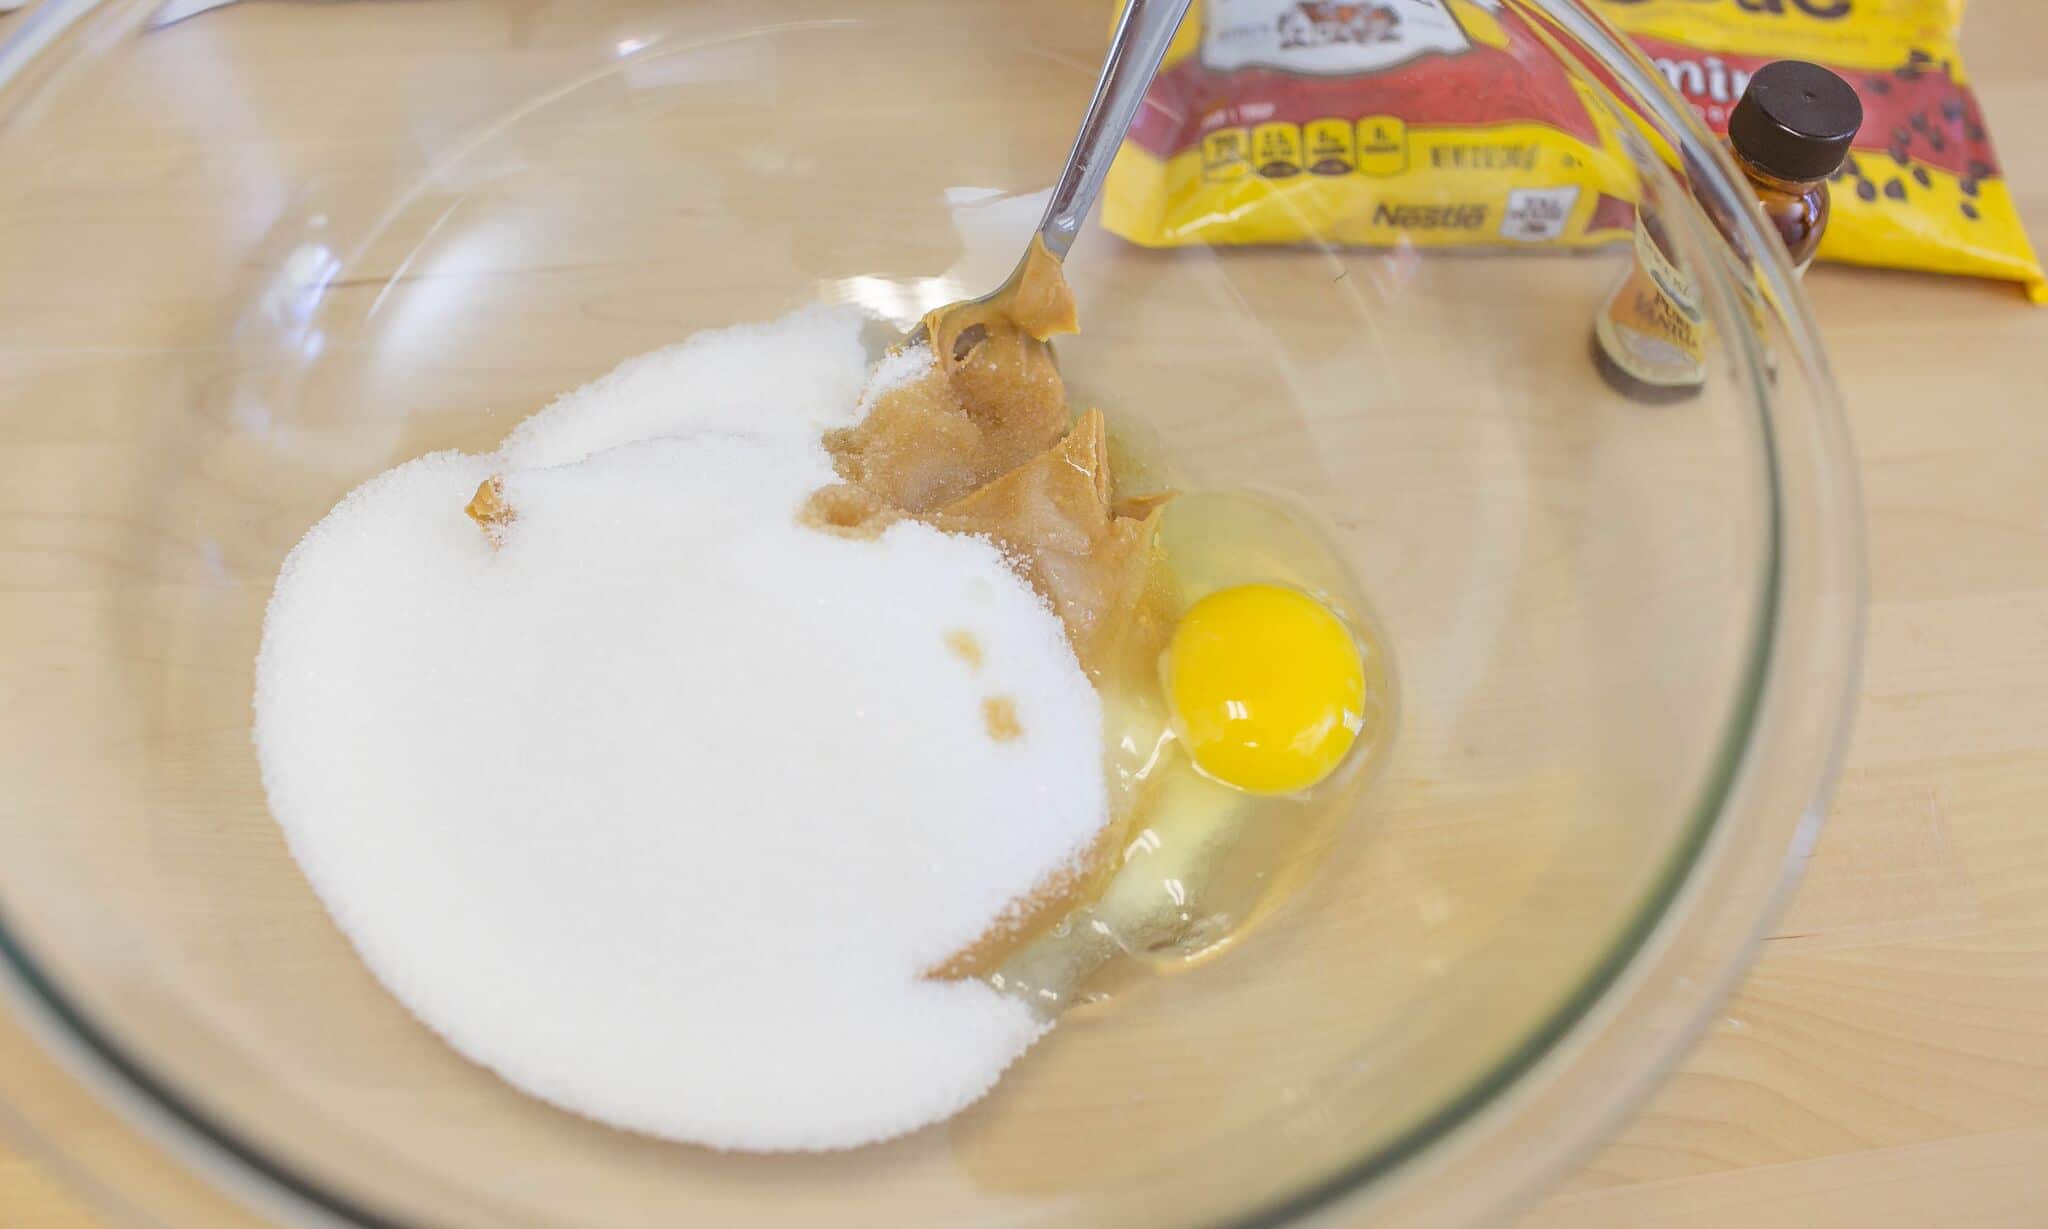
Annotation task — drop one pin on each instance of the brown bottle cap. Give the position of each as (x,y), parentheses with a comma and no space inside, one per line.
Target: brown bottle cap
(1796,120)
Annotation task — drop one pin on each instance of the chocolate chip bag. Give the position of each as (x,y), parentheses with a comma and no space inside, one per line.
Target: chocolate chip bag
(1448,123)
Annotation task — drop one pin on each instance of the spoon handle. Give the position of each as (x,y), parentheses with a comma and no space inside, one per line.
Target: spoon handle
(1139,44)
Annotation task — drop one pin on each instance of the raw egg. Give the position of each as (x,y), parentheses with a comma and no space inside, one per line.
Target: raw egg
(1267,688)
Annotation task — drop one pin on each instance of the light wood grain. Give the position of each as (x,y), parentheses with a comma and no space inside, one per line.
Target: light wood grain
(1886,1064)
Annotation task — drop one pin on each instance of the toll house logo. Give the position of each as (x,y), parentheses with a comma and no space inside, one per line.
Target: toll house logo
(1317,23)
(1328,37)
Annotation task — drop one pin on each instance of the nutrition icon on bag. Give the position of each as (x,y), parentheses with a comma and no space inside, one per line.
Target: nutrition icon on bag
(1276,150)
(1329,147)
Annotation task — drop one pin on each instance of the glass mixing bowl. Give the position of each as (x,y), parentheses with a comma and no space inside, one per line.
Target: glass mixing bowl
(251,257)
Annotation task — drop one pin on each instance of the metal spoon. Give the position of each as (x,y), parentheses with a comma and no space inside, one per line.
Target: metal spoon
(1135,50)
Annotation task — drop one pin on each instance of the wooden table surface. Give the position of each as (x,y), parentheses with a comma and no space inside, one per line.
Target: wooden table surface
(1885,1066)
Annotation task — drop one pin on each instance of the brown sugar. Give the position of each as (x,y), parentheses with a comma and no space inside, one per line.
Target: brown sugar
(1056,521)
(489,509)
(965,647)
(999,715)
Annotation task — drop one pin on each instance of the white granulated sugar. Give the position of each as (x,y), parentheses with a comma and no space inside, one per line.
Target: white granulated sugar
(897,368)
(662,808)
(791,380)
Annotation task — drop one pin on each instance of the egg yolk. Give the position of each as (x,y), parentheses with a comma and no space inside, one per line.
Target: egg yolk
(1267,688)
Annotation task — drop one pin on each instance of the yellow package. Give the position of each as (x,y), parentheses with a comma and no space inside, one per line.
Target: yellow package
(1445,123)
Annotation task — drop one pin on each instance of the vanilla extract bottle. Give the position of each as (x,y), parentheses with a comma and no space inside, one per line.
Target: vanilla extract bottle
(1789,133)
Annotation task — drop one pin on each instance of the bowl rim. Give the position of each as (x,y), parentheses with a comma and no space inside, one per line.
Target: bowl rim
(1605,1046)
